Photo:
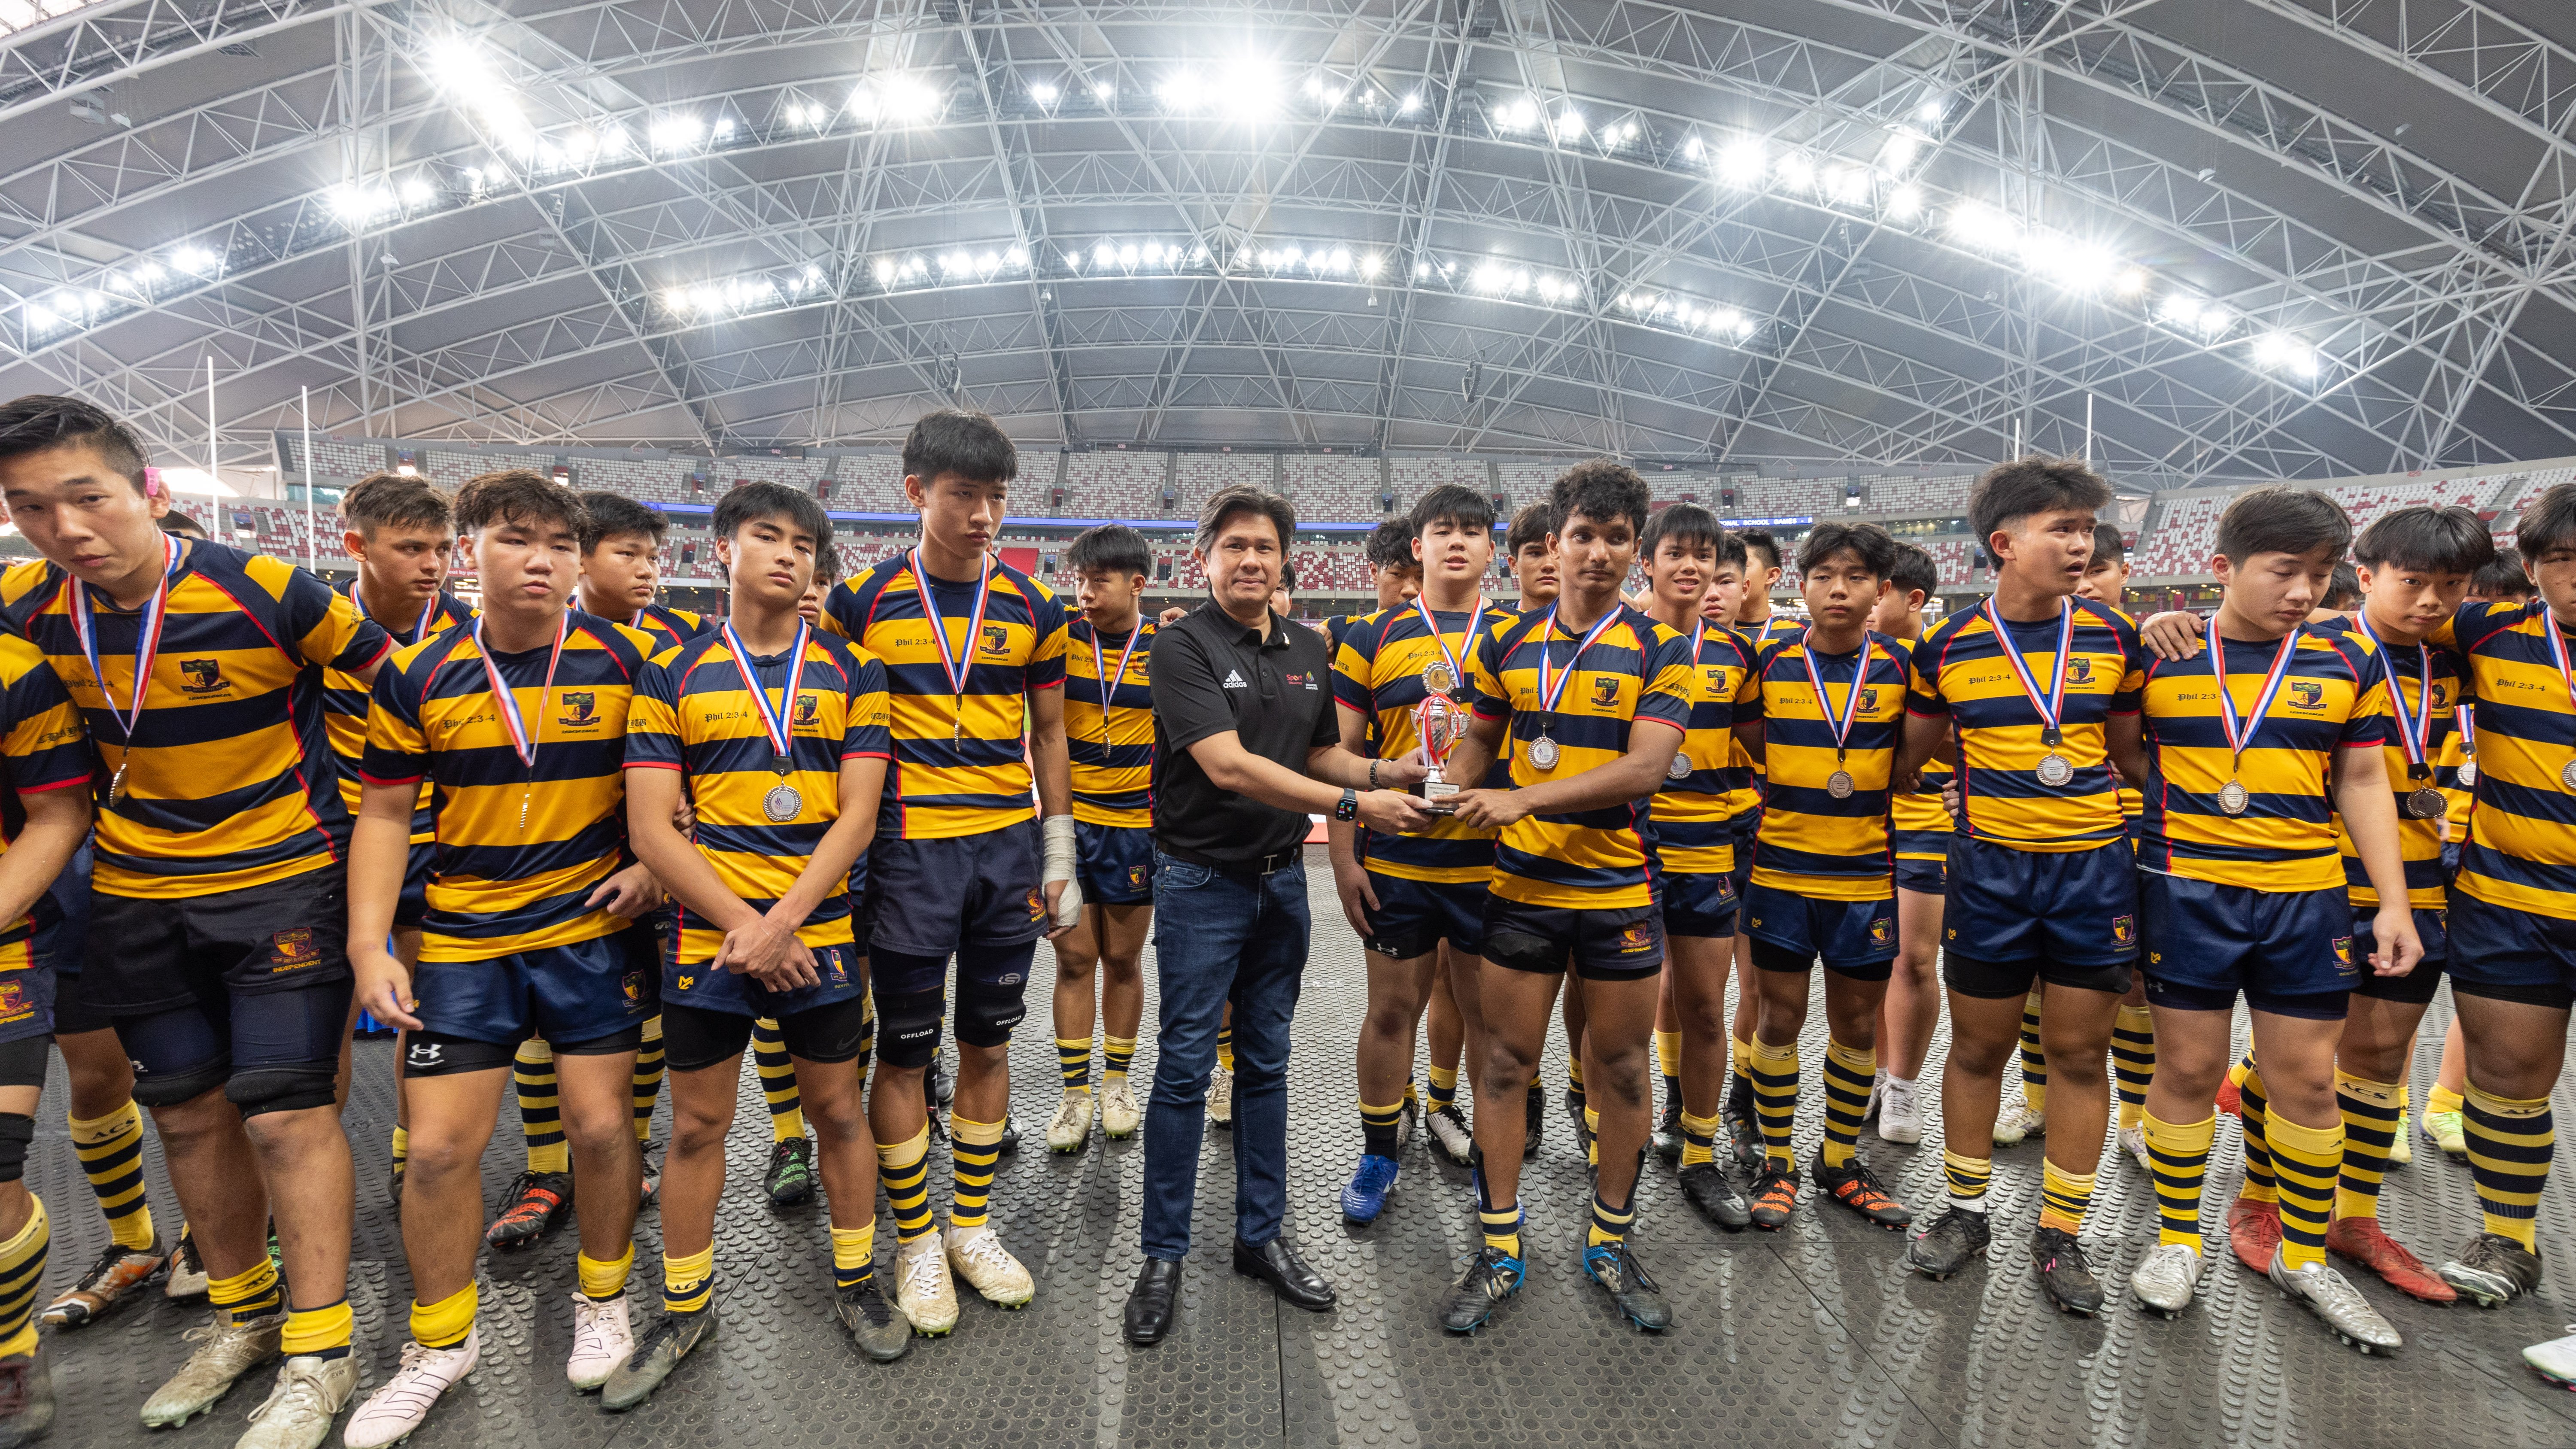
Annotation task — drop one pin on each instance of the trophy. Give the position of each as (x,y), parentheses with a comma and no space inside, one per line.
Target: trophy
(1438,722)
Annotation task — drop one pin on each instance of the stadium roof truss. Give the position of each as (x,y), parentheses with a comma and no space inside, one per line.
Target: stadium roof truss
(2242,237)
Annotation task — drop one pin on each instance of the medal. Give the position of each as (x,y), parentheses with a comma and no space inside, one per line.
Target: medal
(1680,768)
(524,737)
(783,802)
(1441,675)
(1109,682)
(2466,715)
(2414,729)
(147,647)
(1551,684)
(2234,797)
(2055,770)
(2424,804)
(1839,784)
(2567,775)
(960,663)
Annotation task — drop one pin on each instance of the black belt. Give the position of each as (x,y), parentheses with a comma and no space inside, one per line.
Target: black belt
(1252,869)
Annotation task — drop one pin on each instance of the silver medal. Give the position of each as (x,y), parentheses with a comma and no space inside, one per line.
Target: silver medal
(1679,769)
(2567,776)
(2055,770)
(2233,797)
(1839,784)
(1542,753)
(782,804)
(1438,677)
(2424,804)
(2468,773)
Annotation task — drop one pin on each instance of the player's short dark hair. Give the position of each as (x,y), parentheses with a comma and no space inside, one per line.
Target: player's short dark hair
(1759,540)
(827,564)
(2108,546)
(1687,522)
(2009,492)
(1455,504)
(517,495)
(2282,520)
(1868,542)
(2503,578)
(1601,489)
(1111,548)
(1914,569)
(181,524)
(1531,525)
(771,500)
(1731,550)
(2436,540)
(2343,587)
(40,423)
(1225,503)
(394,500)
(614,515)
(960,441)
(2548,521)
(1287,579)
(1390,545)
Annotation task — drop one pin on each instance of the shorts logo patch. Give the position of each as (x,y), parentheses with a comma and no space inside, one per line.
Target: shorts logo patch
(840,968)
(423,1054)
(2343,955)
(292,949)
(1037,906)
(202,676)
(13,1001)
(1136,877)
(2306,694)
(1882,931)
(2124,931)
(688,981)
(581,707)
(633,986)
(1636,938)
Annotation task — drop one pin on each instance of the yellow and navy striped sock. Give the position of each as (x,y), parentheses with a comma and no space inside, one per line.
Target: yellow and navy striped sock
(1073,1063)
(1609,1224)
(1444,1088)
(401,1145)
(1968,1177)
(2373,1114)
(2180,1153)
(777,1080)
(1668,1061)
(1377,1128)
(2064,1198)
(904,1167)
(973,1148)
(1574,1068)
(2034,1061)
(689,1281)
(1699,1139)
(1848,1072)
(854,1255)
(603,1279)
(2255,1111)
(1775,1099)
(248,1294)
(1225,1046)
(648,1078)
(1591,1135)
(1501,1225)
(2133,1061)
(540,1107)
(1117,1054)
(1739,1062)
(322,1332)
(111,1157)
(2509,1146)
(22,1272)
(2305,1160)
(445,1323)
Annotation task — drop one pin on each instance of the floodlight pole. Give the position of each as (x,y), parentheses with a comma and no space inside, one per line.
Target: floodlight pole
(212,477)
(2088,430)
(304,396)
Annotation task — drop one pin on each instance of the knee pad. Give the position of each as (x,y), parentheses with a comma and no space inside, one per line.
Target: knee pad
(178,1055)
(992,997)
(908,1028)
(17,1129)
(1519,951)
(23,1062)
(282,1089)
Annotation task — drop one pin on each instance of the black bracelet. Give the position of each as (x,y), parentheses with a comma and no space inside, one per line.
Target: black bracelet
(1372,774)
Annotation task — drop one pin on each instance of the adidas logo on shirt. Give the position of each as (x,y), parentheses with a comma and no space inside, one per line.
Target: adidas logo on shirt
(1234,679)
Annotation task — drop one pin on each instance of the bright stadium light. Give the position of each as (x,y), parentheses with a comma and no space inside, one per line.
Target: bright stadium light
(1795,170)
(884,271)
(1905,202)
(196,261)
(1518,115)
(2284,353)
(1847,184)
(1044,93)
(1899,154)
(676,132)
(1411,103)
(1742,163)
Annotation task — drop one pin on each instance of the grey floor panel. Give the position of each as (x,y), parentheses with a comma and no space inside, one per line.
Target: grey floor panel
(1809,1336)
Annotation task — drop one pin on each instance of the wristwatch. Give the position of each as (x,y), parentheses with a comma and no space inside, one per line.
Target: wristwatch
(1347,809)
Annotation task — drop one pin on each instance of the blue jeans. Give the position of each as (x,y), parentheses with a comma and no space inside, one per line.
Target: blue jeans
(1219,938)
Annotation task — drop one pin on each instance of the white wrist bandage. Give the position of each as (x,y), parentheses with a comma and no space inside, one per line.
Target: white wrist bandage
(1058,830)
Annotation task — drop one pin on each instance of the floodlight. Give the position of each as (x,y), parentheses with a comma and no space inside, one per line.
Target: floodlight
(1742,163)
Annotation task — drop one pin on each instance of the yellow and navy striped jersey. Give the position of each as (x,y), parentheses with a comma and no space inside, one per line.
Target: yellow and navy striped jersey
(692,713)
(1636,669)
(2521,851)
(2458,796)
(229,782)
(500,882)
(1377,674)
(1920,823)
(667,626)
(43,746)
(2334,695)
(1810,842)
(344,702)
(959,765)
(1744,778)
(2419,841)
(1693,813)
(1109,733)
(1961,674)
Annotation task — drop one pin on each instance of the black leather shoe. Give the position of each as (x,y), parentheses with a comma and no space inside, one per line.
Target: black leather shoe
(1278,1265)
(1149,1303)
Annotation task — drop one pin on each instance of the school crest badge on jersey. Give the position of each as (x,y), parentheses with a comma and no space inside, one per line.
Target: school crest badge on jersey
(1605,692)
(809,707)
(2306,694)
(2079,670)
(581,707)
(997,639)
(202,676)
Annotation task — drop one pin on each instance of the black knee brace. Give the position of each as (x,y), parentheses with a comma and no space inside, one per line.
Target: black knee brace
(987,1010)
(169,1089)
(23,1062)
(1518,951)
(17,1129)
(908,1028)
(283,1088)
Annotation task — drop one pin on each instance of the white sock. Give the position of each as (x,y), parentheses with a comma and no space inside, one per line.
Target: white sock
(1975,1205)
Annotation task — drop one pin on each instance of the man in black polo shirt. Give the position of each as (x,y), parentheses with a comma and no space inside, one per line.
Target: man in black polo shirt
(1246,747)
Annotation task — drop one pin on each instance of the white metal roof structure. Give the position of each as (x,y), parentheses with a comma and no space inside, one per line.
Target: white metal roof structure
(2247,238)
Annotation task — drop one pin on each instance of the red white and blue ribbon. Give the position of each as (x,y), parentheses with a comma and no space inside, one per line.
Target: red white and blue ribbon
(779,724)
(2414,730)
(420,626)
(1109,682)
(1475,615)
(1851,702)
(1551,686)
(147,639)
(959,663)
(2052,705)
(2241,734)
(523,736)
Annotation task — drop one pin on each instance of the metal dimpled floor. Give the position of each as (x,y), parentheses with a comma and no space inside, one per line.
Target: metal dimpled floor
(1812,1335)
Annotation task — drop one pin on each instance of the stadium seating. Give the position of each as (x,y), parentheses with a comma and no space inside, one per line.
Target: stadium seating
(2178,538)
